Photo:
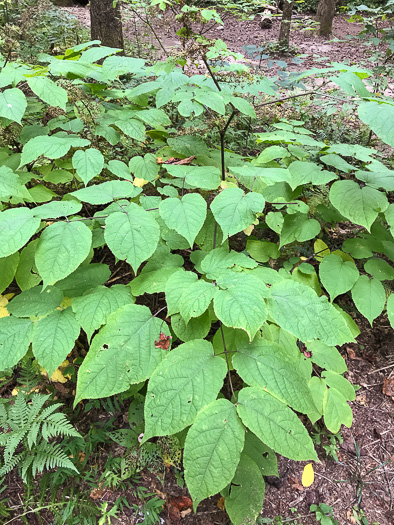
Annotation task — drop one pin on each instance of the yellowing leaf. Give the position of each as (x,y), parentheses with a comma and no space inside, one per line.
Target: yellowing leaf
(139,182)
(9,296)
(248,230)
(321,249)
(308,475)
(15,392)
(65,303)
(58,377)
(3,303)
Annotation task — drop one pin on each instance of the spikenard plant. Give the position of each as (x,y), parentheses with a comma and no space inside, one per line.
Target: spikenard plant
(236,311)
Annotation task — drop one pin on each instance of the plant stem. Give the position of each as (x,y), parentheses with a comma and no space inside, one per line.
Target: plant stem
(228,364)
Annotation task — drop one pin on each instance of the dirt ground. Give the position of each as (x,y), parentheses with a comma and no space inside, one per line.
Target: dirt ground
(370,361)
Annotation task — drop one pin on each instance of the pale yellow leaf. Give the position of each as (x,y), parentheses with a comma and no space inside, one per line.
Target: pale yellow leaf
(321,249)
(139,182)
(308,475)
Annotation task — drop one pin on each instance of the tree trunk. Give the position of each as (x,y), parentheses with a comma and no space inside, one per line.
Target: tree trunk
(106,23)
(325,15)
(284,31)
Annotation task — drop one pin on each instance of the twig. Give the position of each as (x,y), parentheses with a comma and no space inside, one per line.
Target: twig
(379,369)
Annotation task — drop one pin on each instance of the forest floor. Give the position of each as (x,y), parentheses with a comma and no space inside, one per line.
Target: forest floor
(367,479)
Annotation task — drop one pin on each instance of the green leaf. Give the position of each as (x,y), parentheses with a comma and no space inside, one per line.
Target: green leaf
(379,269)
(263,456)
(262,251)
(122,353)
(132,128)
(48,91)
(186,215)
(262,364)
(247,492)
(35,302)
(216,263)
(337,276)
(144,167)
(235,211)
(369,297)
(327,357)
(15,337)
(88,163)
(240,303)
(155,274)
(211,100)
(201,177)
(107,192)
(17,225)
(298,227)
(187,380)
(54,337)
(243,106)
(196,328)
(308,172)
(56,209)
(341,384)
(83,279)
(13,104)
(120,169)
(132,234)
(298,309)
(27,275)
(176,285)
(63,246)
(380,118)
(336,411)
(196,299)
(10,185)
(94,307)
(53,147)
(188,145)
(275,424)
(377,179)
(213,448)
(360,205)
(8,267)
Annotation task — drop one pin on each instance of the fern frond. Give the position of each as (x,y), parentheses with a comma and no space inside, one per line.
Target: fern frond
(13,441)
(33,434)
(36,405)
(49,410)
(49,458)
(11,464)
(58,425)
(19,413)
(28,460)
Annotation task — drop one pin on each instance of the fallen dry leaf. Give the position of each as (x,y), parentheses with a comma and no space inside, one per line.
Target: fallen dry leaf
(350,353)
(181,502)
(350,517)
(221,503)
(185,512)
(172,160)
(295,483)
(388,386)
(362,399)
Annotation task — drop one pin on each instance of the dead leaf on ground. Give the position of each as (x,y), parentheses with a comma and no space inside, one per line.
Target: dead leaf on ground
(350,517)
(351,353)
(173,160)
(221,503)
(97,493)
(361,399)
(181,502)
(388,386)
(295,483)
(185,512)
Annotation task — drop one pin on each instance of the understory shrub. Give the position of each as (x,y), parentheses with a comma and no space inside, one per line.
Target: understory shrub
(216,284)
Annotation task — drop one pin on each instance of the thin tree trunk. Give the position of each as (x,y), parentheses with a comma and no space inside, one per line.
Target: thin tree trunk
(284,31)
(325,15)
(106,23)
